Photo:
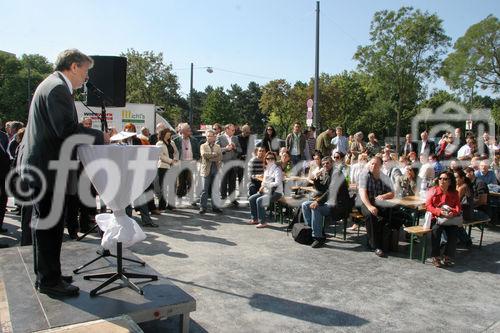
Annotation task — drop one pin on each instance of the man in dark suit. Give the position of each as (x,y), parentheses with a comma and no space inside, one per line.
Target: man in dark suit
(408,146)
(425,146)
(231,151)
(53,119)
(189,154)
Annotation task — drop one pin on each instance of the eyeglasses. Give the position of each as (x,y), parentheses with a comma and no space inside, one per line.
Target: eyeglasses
(444,178)
(336,157)
(269,158)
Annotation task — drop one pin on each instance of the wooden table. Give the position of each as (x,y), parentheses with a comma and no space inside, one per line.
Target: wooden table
(412,202)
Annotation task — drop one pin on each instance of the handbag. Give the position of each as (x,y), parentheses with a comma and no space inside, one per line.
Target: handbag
(455,220)
(302,233)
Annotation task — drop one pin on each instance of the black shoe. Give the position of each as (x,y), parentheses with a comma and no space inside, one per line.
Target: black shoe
(3,246)
(3,230)
(202,211)
(151,224)
(67,278)
(169,207)
(73,235)
(62,288)
(217,210)
(235,204)
(318,242)
(194,204)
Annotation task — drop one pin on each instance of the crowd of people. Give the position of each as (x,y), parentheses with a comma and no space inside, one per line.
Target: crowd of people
(374,171)
(455,174)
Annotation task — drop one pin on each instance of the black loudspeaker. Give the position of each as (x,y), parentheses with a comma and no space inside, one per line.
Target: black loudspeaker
(109,75)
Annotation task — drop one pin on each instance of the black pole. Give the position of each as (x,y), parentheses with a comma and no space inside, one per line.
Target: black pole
(191,98)
(316,74)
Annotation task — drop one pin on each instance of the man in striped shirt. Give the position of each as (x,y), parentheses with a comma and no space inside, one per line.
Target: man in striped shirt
(255,167)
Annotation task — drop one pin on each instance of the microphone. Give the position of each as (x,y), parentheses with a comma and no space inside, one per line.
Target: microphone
(90,86)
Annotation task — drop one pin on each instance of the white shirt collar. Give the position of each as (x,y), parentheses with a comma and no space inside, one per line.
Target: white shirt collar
(68,82)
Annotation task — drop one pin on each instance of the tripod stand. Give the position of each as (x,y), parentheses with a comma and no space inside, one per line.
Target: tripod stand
(120,273)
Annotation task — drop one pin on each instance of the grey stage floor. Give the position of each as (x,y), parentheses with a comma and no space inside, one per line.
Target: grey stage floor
(250,280)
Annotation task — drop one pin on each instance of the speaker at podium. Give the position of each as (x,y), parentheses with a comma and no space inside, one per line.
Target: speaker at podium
(109,75)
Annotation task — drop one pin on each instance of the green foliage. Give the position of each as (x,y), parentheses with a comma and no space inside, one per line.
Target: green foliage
(149,80)
(217,108)
(475,61)
(406,46)
(18,81)
(275,103)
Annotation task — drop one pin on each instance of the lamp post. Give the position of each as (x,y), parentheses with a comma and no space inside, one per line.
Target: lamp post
(209,70)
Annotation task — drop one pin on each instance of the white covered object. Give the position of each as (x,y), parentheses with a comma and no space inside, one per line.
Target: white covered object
(120,174)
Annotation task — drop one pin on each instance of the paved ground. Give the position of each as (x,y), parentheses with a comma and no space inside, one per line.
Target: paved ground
(250,280)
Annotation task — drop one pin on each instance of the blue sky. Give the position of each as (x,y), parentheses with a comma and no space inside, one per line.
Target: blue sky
(266,39)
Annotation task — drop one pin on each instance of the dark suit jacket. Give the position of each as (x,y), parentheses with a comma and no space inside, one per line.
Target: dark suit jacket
(413,148)
(4,140)
(429,149)
(194,146)
(52,119)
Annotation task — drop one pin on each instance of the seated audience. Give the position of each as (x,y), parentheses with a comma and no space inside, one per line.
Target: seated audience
(444,204)
(314,210)
(271,190)
(375,187)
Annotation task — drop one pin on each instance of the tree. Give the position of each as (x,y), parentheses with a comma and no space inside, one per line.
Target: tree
(275,103)
(217,108)
(149,80)
(18,81)
(251,112)
(475,61)
(405,50)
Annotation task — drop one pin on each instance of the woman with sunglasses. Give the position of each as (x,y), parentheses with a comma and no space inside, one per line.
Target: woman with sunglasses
(270,191)
(270,141)
(443,203)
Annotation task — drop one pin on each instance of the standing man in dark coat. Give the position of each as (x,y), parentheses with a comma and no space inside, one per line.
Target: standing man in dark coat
(53,119)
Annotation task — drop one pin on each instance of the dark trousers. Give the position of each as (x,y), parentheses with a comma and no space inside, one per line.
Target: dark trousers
(3,200)
(451,244)
(72,210)
(26,232)
(162,203)
(184,182)
(47,243)
(228,184)
(253,187)
(375,226)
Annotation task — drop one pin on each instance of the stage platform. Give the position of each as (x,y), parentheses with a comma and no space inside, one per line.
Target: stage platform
(23,309)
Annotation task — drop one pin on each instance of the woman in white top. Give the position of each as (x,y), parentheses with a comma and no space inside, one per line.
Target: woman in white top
(271,190)
(168,156)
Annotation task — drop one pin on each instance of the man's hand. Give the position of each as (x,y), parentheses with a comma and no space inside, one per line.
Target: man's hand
(261,189)
(373,210)
(379,197)
(314,205)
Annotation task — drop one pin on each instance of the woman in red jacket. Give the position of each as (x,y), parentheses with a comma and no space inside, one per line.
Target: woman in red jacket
(444,204)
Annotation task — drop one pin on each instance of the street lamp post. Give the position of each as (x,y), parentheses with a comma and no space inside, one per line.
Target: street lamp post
(209,70)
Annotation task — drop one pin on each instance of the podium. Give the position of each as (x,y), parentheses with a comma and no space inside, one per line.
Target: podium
(120,174)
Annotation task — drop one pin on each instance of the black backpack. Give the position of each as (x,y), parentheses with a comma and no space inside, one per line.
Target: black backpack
(302,233)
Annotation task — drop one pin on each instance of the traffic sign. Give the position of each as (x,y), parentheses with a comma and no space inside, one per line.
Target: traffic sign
(309,114)
(309,122)
(310,103)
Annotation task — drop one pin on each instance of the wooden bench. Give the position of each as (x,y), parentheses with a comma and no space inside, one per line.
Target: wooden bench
(479,222)
(418,231)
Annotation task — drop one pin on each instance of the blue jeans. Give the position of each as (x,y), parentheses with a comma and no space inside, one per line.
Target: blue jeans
(314,217)
(207,184)
(258,203)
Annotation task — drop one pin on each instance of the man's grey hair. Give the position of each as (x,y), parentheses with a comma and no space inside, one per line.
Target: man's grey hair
(72,56)
(16,126)
(207,132)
